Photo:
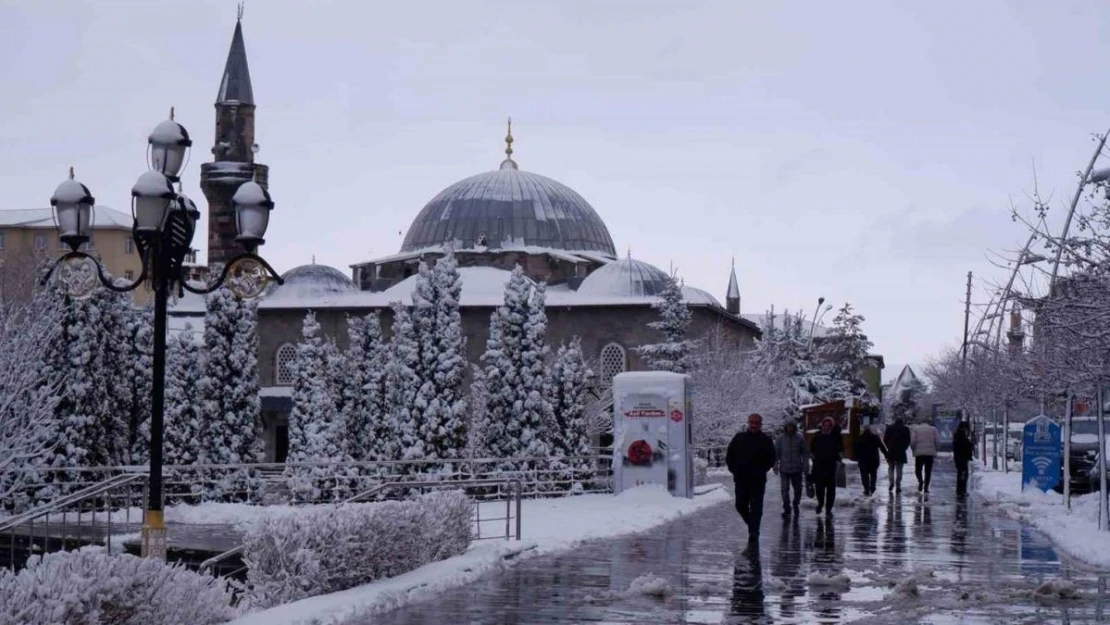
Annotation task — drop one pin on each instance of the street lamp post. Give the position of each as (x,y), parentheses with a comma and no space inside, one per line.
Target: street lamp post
(163,229)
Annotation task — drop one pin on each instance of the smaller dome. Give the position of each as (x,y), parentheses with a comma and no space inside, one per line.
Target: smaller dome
(312,280)
(626,277)
(694,295)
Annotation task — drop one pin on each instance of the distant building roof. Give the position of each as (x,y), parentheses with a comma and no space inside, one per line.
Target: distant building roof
(103,217)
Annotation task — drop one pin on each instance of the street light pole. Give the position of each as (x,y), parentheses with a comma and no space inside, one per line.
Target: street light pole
(164,224)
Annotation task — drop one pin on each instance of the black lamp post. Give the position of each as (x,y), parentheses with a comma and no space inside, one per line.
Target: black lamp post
(165,221)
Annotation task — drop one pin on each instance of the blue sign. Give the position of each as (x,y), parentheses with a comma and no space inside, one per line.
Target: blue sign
(946,422)
(1041,454)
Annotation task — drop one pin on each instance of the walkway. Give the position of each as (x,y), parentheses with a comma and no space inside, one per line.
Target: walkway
(984,570)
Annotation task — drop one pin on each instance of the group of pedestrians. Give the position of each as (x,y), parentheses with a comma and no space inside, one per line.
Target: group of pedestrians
(752,454)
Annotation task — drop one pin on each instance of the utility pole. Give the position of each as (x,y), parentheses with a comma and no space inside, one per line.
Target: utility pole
(967,317)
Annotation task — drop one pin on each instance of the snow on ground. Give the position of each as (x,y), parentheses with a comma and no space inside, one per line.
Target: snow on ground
(1074,532)
(549,525)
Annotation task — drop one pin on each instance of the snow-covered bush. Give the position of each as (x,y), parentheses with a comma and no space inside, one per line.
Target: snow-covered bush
(79,588)
(322,550)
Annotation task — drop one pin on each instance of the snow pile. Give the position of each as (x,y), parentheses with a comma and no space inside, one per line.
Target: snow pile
(650,585)
(1074,532)
(325,550)
(905,589)
(550,525)
(1054,590)
(88,587)
(821,580)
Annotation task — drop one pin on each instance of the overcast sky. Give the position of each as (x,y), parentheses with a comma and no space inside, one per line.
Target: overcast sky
(861,151)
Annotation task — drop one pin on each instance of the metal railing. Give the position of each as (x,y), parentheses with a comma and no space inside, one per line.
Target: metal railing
(512,518)
(93,508)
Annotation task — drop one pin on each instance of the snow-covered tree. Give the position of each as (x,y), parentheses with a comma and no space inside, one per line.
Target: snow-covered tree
(402,435)
(843,351)
(182,417)
(570,436)
(785,350)
(231,430)
(438,323)
(673,353)
(316,431)
(28,395)
(477,400)
(364,393)
(140,328)
(518,414)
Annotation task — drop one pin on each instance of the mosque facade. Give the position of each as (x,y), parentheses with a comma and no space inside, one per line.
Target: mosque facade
(493,221)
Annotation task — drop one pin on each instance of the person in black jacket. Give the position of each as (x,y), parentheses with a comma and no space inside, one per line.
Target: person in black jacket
(962,450)
(897,440)
(825,451)
(867,449)
(751,454)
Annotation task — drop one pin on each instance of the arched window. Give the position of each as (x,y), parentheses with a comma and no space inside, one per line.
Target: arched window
(283,364)
(613,360)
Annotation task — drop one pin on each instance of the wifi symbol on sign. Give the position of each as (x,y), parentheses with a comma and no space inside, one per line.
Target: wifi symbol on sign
(1041,463)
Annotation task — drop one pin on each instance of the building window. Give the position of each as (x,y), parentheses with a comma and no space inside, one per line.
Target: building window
(283,364)
(130,275)
(612,361)
(129,246)
(40,241)
(1,239)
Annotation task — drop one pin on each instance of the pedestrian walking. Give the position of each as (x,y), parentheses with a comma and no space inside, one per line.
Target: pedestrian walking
(924,440)
(897,440)
(962,450)
(750,455)
(867,450)
(791,463)
(825,451)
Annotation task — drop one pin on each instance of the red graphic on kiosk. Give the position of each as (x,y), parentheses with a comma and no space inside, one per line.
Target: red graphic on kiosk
(676,415)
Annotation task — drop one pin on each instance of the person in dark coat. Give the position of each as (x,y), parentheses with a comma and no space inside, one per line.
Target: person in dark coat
(825,452)
(897,440)
(867,449)
(962,450)
(750,455)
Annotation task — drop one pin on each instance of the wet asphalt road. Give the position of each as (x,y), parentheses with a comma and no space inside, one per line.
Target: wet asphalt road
(970,565)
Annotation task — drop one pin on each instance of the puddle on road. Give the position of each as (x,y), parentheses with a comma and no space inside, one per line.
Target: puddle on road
(983,569)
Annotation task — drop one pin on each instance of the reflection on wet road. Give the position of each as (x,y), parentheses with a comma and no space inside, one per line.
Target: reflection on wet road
(903,561)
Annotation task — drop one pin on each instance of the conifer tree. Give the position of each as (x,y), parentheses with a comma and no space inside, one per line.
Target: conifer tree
(843,351)
(519,415)
(570,436)
(140,327)
(316,431)
(442,424)
(402,388)
(673,353)
(182,417)
(364,389)
(231,430)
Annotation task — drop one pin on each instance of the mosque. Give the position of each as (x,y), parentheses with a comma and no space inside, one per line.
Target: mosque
(494,221)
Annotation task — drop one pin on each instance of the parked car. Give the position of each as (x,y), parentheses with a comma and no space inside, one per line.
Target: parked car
(1084,454)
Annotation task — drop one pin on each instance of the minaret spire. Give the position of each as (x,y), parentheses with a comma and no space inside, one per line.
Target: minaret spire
(235,87)
(732,297)
(509,163)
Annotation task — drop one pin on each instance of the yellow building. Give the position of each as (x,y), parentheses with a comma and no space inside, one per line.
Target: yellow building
(29,240)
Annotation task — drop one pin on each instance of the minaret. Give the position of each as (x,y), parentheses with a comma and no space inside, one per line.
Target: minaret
(732,298)
(233,151)
(1016,334)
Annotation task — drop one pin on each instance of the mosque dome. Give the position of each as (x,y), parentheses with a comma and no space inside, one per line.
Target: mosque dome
(626,277)
(309,280)
(509,208)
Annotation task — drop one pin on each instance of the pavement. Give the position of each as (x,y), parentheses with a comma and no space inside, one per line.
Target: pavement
(907,559)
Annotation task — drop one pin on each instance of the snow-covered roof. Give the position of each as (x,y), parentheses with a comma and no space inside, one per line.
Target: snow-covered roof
(694,295)
(905,378)
(309,281)
(626,277)
(103,217)
(481,287)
